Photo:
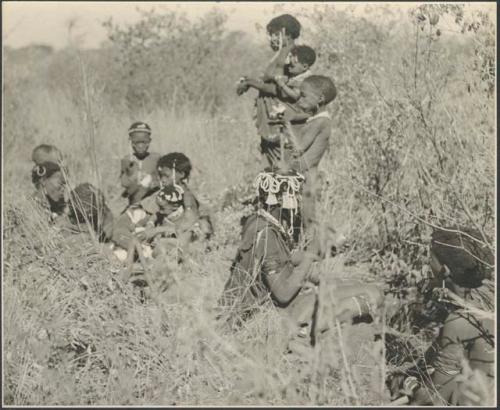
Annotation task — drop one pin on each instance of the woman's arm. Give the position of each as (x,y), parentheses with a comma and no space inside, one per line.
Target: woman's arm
(282,278)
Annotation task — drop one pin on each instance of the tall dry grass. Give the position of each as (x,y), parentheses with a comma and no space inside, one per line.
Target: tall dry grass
(412,148)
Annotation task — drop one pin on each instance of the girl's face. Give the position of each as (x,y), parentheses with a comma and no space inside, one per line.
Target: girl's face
(310,99)
(140,142)
(167,176)
(54,186)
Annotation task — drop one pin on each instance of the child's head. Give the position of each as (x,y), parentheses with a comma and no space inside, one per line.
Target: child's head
(301,59)
(316,91)
(140,137)
(284,25)
(46,153)
(174,167)
(169,199)
(48,176)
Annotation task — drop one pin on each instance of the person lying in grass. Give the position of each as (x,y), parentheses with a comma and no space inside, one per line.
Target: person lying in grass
(265,271)
(139,175)
(462,265)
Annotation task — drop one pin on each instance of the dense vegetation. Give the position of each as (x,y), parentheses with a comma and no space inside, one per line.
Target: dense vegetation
(412,148)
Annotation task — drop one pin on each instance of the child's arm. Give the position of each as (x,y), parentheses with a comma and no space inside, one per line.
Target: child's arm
(277,64)
(150,232)
(290,92)
(268,88)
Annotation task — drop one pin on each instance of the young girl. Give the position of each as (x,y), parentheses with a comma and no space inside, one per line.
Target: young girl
(139,174)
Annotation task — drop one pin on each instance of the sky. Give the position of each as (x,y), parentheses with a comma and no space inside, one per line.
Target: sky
(46,22)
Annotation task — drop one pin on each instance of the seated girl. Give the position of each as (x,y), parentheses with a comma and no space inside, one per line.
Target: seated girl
(157,226)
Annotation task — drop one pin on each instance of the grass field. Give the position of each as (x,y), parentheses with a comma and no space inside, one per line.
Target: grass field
(413,147)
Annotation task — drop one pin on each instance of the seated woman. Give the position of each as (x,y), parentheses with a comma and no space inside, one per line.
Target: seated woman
(49,182)
(265,271)
(462,265)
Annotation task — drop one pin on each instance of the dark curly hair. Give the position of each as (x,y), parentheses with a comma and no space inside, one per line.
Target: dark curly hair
(305,54)
(178,160)
(323,85)
(287,22)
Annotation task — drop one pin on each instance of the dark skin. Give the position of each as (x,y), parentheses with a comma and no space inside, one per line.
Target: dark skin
(462,337)
(167,178)
(285,285)
(283,44)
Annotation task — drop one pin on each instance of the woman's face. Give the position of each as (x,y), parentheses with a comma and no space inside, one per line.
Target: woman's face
(54,186)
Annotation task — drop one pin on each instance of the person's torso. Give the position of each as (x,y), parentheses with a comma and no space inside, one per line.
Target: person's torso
(245,285)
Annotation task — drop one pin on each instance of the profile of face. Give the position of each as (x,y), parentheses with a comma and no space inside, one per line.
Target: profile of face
(140,142)
(310,99)
(54,186)
(296,67)
(167,176)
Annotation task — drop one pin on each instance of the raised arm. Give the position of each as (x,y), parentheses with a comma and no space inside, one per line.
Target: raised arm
(277,64)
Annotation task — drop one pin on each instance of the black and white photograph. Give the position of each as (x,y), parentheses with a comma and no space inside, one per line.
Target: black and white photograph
(250,204)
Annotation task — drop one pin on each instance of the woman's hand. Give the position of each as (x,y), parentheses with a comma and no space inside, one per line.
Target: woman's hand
(242,86)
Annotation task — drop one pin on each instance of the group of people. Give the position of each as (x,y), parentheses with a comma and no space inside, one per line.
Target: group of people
(282,240)
(161,213)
